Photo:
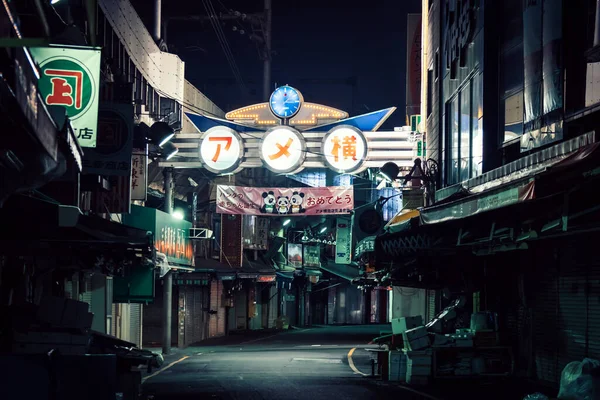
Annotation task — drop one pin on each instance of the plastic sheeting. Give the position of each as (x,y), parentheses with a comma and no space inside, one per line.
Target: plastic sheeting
(580,380)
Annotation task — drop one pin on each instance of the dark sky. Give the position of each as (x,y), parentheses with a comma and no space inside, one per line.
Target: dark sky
(326,40)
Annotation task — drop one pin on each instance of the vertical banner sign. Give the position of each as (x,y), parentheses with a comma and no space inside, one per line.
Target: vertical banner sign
(139,176)
(231,240)
(413,64)
(552,55)
(262,233)
(343,241)
(112,157)
(532,52)
(70,78)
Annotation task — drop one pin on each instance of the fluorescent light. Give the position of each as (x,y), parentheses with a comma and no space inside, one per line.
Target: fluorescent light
(286,222)
(323,229)
(54,1)
(178,214)
(170,155)
(166,139)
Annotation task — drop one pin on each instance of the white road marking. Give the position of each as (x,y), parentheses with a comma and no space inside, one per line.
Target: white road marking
(320,360)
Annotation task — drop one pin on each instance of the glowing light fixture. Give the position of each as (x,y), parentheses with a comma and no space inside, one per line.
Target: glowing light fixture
(178,214)
(169,150)
(323,229)
(286,222)
(54,1)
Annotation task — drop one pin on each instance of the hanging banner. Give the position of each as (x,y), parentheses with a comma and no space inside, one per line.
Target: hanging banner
(139,176)
(262,233)
(413,64)
(312,256)
(70,77)
(295,255)
(343,241)
(285,201)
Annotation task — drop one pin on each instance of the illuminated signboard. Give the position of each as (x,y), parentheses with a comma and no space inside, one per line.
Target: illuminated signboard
(70,78)
(344,149)
(221,149)
(282,149)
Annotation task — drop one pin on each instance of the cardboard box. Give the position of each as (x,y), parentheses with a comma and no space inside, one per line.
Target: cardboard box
(417,344)
(403,324)
(415,333)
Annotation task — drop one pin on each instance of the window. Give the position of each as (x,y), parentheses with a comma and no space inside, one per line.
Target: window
(454,133)
(464,116)
(465,133)
(477,130)
(429,91)
(513,117)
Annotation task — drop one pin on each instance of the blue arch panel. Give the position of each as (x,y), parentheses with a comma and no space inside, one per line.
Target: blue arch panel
(366,122)
(204,123)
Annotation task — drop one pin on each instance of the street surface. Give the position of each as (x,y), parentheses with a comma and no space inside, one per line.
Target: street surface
(323,362)
(297,364)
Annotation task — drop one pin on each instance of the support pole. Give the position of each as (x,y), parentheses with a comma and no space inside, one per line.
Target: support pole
(597,30)
(267,60)
(168,278)
(156,29)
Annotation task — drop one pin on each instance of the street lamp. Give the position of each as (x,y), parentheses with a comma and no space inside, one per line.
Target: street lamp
(178,214)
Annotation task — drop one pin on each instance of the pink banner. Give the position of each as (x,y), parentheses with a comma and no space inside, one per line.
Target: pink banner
(285,201)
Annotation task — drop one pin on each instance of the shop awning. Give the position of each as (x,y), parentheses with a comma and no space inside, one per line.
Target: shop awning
(33,226)
(401,221)
(348,272)
(502,197)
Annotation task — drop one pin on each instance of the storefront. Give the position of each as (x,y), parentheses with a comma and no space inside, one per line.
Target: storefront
(174,249)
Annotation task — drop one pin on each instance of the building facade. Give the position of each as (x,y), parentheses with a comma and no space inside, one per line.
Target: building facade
(509,103)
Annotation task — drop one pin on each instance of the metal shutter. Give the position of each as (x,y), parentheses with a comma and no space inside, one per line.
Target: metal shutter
(331,305)
(544,302)
(135,324)
(431,305)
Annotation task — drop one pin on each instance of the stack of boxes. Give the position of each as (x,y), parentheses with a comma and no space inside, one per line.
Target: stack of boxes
(413,364)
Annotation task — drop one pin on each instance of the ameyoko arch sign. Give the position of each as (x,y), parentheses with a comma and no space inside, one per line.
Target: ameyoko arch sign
(70,78)
(283,149)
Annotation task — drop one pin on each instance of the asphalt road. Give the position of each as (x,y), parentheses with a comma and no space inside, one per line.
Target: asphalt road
(299,364)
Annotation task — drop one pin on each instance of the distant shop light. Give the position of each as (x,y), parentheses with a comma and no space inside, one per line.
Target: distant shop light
(54,1)
(323,229)
(286,222)
(178,214)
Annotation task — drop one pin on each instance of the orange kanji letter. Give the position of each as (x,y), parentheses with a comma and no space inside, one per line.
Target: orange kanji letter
(227,140)
(349,147)
(283,150)
(335,152)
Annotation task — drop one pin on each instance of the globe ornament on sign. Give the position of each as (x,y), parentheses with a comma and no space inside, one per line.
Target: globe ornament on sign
(282,149)
(344,149)
(221,150)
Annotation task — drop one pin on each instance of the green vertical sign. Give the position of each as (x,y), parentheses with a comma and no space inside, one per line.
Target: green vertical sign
(415,120)
(420,148)
(70,78)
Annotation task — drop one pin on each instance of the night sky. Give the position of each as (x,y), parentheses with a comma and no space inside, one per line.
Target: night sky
(329,41)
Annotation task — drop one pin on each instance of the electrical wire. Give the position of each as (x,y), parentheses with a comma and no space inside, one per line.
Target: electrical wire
(223,41)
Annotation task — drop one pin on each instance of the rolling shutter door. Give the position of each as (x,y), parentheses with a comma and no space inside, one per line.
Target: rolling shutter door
(431,305)
(135,324)
(544,301)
